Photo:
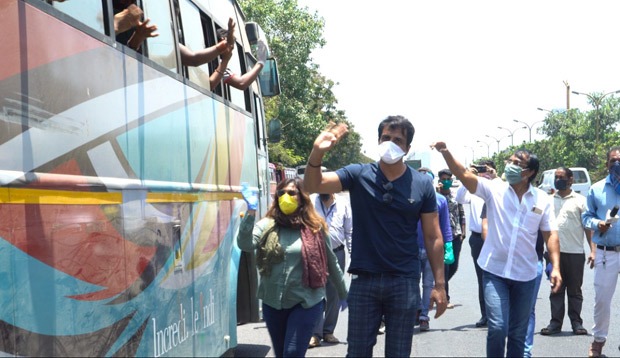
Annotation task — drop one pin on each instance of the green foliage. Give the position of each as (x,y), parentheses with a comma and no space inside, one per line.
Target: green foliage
(571,138)
(306,103)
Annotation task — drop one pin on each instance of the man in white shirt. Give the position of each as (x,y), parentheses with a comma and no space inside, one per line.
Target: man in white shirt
(569,206)
(516,210)
(337,213)
(475,226)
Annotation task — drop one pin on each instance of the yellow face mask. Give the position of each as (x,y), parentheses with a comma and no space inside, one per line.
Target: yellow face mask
(288,204)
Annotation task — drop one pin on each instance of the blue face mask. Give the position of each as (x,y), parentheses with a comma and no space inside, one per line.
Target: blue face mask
(513,173)
(614,173)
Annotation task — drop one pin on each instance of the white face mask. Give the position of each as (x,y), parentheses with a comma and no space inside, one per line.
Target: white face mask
(390,153)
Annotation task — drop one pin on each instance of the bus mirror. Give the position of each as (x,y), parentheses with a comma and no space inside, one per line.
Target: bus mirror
(274,130)
(252,30)
(269,79)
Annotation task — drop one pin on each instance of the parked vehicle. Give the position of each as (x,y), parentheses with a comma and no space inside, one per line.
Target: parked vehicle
(581,181)
(302,169)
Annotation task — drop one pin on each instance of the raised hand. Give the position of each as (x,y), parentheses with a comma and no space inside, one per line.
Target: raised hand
(250,196)
(439,146)
(328,138)
(230,39)
(261,51)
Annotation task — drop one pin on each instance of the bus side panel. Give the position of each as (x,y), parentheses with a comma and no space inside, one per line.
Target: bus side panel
(132,269)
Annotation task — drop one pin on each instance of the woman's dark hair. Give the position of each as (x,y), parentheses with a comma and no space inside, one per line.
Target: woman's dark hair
(398,122)
(304,215)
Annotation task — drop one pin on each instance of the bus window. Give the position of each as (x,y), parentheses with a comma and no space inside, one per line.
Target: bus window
(89,12)
(260,128)
(161,49)
(290,173)
(194,40)
(236,96)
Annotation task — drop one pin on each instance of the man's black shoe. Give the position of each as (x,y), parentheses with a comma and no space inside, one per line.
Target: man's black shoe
(482,322)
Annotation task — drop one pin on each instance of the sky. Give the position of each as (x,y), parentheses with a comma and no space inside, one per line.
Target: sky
(459,69)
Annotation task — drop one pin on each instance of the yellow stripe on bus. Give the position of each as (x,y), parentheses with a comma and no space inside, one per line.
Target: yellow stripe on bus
(65,197)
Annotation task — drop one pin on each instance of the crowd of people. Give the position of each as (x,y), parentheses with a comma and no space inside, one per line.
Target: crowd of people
(132,29)
(404,235)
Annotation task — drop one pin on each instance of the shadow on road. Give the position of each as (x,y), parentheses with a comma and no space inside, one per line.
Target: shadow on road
(252,350)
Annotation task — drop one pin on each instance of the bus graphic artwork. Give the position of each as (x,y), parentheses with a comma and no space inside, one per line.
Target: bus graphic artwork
(118,187)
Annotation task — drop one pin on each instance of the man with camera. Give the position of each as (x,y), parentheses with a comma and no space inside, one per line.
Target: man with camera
(485,170)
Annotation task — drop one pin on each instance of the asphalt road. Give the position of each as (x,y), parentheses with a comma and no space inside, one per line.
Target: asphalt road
(454,334)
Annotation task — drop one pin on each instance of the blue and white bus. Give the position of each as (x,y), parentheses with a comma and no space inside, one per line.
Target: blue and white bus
(119,182)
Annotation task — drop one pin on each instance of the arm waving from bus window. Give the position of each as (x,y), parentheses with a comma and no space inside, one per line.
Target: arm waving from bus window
(244,81)
(143,31)
(200,57)
(127,19)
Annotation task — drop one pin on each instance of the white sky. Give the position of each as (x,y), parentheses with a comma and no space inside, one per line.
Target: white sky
(459,69)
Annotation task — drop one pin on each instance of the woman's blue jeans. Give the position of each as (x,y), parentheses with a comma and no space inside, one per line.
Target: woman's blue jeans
(290,329)
(508,307)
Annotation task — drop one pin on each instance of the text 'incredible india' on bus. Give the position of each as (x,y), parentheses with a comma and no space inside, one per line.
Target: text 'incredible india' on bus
(120,174)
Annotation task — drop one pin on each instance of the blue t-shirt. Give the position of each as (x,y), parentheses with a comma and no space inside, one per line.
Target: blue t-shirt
(444,222)
(385,234)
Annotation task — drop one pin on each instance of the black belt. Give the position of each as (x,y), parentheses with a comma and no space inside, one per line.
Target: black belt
(608,248)
(339,248)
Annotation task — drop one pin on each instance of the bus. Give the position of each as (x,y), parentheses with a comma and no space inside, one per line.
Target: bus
(277,173)
(120,179)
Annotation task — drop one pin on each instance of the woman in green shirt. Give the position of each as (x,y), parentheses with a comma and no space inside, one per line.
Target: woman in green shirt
(294,260)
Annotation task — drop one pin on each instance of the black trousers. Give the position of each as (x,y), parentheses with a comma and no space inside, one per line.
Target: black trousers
(450,270)
(571,269)
(475,243)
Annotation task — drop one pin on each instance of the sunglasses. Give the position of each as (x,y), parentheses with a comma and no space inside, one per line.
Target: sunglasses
(387,197)
(291,192)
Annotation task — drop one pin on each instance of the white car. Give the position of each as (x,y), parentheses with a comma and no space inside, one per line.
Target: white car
(581,181)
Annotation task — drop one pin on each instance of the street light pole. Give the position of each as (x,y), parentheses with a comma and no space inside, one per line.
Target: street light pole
(529,126)
(497,140)
(512,133)
(488,150)
(472,153)
(597,100)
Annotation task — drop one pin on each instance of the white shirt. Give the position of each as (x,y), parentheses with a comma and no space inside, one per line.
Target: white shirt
(463,196)
(509,250)
(339,220)
(568,212)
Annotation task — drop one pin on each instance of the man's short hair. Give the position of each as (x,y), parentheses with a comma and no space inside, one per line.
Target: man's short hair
(611,150)
(489,163)
(533,163)
(426,170)
(569,173)
(398,122)
(445,172)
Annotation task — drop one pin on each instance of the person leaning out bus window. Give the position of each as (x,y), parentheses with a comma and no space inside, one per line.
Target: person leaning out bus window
(240,82)
(294,257)
(127,16)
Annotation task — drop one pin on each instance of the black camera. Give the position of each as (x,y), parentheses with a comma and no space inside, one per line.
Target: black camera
(481,168)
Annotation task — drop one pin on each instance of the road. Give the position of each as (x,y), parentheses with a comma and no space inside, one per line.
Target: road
(454,333)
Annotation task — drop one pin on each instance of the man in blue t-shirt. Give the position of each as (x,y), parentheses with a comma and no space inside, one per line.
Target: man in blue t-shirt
(388,198)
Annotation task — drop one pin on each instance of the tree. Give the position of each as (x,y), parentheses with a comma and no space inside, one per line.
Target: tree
(306,103)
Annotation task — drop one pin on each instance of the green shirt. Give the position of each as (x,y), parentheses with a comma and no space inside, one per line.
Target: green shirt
(283,288)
